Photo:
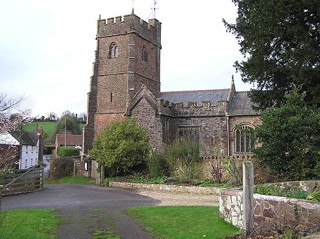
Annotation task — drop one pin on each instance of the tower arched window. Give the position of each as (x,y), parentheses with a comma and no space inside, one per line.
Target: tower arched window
(113,50)
(244,139)
(144,54)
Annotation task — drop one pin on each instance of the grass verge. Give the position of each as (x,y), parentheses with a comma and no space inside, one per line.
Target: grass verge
(76,180)
(29,223)
(180,222)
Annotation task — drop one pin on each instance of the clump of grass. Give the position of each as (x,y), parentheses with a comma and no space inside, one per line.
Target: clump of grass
(76,180)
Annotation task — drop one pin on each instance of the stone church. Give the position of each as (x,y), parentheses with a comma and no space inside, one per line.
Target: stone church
(126,83)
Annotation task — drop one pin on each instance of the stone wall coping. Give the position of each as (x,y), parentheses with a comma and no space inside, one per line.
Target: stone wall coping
(168,188)
(305,203)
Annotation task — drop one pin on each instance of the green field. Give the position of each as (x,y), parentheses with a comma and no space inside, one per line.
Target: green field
(48,127)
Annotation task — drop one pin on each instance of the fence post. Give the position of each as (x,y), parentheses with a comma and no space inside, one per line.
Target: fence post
(248,187)
(1,187)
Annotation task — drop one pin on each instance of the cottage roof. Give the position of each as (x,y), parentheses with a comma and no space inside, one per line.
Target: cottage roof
(241,104)
(7,139)
(199,96)
(69,139)
(26,138)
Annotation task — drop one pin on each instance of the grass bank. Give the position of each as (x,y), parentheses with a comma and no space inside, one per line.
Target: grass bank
(29,223)
(75,180)
(180,222)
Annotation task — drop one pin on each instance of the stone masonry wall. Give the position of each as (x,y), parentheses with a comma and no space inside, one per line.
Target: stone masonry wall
(147,118)
(270,210)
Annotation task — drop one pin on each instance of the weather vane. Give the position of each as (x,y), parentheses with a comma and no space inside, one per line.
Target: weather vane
(154,8)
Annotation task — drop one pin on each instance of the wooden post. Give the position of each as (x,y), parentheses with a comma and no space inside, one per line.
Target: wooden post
(248,187)
(1,187)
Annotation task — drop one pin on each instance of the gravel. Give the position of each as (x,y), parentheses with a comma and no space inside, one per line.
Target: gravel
(181,199)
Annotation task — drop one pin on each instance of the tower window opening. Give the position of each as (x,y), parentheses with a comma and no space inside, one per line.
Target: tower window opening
(111,97)
(144,54)
(113,51)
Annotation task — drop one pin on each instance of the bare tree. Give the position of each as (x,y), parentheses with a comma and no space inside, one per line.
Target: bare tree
(10,122)
(7,105)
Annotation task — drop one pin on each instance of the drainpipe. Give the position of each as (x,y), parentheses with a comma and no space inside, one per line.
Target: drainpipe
(228,135)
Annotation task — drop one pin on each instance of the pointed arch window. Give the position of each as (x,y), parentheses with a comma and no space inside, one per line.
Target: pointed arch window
(244,139)
(113,50)
(144,54)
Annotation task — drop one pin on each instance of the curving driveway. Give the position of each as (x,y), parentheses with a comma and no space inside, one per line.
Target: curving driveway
(86,208)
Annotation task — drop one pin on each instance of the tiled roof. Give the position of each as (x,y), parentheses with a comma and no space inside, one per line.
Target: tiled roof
(26,138)
(184,97)
(69,139)
(241,105)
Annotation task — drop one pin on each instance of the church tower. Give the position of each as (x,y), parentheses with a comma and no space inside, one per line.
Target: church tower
(127,57)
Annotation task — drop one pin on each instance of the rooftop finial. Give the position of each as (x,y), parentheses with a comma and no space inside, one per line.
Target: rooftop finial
(132,11)
(232,79)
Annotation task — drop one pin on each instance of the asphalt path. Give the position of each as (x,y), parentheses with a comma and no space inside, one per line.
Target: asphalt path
(86,208)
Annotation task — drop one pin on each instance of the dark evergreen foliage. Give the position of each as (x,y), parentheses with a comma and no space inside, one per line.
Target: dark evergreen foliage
(289,138)
(280,40)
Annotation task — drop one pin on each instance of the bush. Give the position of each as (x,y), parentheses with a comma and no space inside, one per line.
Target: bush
(68,152)
(183,158)
(60,168)
(121,148)
(157,165)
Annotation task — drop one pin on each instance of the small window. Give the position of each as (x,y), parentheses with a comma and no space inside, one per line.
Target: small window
(144,54)
(111,96)
(113,51)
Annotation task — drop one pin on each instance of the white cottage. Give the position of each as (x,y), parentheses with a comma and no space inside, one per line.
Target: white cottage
(30,148)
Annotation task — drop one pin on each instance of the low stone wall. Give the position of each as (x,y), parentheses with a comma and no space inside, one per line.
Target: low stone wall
(167,188)
(270,210)
(306,186)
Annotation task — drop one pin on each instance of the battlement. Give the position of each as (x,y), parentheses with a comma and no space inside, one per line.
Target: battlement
(192,108)
(150,30)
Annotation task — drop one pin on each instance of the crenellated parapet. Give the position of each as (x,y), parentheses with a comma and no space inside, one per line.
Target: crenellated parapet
(196,109)
(150,31)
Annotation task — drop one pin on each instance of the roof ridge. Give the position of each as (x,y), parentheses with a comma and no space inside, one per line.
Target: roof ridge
(164,92)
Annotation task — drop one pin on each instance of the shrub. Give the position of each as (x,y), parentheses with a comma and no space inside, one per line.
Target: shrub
(183,157)
(61,168)
(121,147)
(289,138)
(157,165)
(68,151)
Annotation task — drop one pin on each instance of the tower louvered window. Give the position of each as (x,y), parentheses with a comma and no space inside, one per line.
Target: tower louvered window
(113,50)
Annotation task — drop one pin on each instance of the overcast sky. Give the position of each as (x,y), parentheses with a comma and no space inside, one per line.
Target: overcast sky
(47,48)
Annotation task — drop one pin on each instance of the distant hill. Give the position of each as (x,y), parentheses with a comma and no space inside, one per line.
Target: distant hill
(48,129)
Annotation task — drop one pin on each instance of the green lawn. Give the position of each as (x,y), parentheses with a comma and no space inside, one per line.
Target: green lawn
(29,224)
(180,222)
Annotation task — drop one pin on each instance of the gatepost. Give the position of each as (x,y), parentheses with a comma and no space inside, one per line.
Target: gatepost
(248,187)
